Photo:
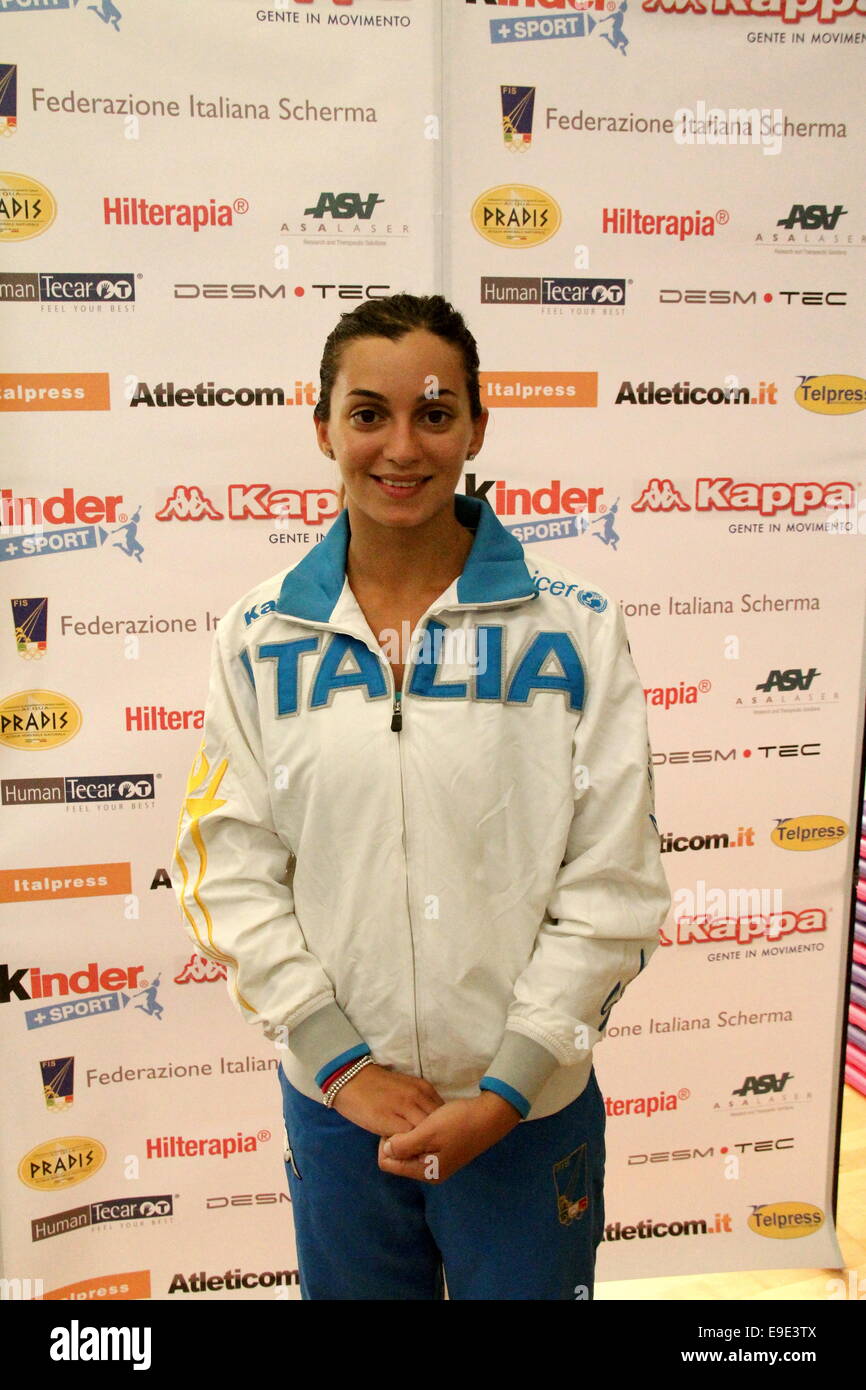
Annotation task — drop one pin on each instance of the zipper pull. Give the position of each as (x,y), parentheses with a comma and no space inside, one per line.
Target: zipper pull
(396,714)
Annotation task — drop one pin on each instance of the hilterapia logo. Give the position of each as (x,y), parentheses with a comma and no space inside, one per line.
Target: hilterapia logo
(27,207)
(35,720)
(633,222)
(61,1163)
(647,1105)
(138,212)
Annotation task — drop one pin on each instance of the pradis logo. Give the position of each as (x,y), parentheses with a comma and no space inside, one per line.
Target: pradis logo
(61,1163)
(517,108)
(8,98)
(576,19)
(831,395)
(785,1220)
(809,832)
(515,216)
(34,720)
(27,207)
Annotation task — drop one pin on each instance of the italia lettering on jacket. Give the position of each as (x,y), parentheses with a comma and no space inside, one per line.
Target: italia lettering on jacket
(548,661)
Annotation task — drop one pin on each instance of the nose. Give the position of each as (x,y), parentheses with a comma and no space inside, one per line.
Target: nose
(401,446)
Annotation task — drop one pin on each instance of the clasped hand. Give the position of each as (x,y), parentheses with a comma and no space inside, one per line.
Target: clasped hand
(421,1135)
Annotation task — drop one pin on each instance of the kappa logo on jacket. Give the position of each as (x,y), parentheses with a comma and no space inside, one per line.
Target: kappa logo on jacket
(549,660)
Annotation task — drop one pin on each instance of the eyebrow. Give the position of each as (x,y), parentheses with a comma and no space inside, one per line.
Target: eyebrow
(376,395)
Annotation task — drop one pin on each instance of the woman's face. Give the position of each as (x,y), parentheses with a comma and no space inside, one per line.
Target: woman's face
(400,413)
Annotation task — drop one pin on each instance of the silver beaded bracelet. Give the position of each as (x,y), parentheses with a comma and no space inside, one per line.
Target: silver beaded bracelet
(347,1076)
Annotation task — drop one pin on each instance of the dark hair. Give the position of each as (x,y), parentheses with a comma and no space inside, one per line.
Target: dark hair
(393,317)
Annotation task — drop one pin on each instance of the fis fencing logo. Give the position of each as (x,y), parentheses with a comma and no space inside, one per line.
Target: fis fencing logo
(8,98)
(30,620)
(577,19)
(53,287)
(515,216)
(809,832)
(517,108)
(58,1077)
(135,789)
(61,1163)
(27,207)
(831,395)
(785,1220)
(23,532)
(200,970)
(35,720)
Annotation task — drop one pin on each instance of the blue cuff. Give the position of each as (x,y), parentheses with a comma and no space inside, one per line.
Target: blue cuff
(360,1050)
(520,1103)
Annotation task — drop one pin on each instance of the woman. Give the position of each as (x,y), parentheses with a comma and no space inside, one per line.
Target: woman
(473,871)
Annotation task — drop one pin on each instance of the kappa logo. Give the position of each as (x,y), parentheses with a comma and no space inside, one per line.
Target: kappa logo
(201,970)
(251,502)
(188,504)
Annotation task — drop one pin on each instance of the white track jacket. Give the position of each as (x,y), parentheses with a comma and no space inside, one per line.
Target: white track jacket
(462,879)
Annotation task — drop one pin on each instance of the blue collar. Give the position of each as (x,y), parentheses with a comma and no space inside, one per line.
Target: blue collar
(495,569)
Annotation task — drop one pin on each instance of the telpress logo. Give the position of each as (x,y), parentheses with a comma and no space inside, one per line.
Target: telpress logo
(832,395)
(808,832)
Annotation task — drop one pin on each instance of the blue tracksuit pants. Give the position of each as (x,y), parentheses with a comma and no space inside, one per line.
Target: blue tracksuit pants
(521,1221)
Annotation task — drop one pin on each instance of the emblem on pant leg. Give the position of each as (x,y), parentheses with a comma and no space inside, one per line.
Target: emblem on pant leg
(569,1177)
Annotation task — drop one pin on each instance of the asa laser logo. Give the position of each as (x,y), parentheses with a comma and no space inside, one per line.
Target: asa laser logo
(139,212)
(831,395)
(792,679)
(809,832)
(785,1220)
(66,287)
(126,1211)
(8,98)
(515,216)
(65,881)
(27,207)
(30,620)
(342,206)
(813,217)
(61,1163)
(35,720)
(517,107)
(763,1085)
